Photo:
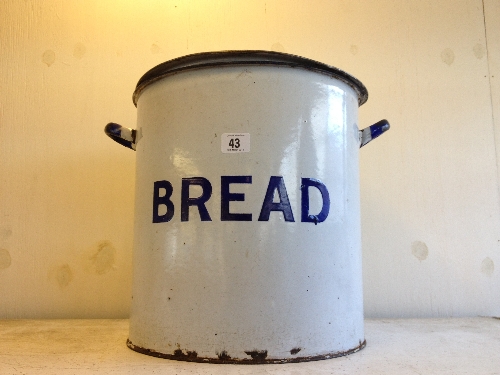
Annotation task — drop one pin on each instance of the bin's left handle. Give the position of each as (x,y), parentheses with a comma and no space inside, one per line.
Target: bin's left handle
(122,135)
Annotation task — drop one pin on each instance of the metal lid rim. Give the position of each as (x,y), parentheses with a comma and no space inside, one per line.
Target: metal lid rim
(214,59)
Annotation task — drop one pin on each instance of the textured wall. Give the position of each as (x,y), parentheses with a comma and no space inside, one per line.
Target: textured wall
(430,187)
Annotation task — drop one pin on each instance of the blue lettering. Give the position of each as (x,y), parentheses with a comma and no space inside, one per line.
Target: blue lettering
(186,201)
(163,200)
(325,209)
(227,197)
(276,183)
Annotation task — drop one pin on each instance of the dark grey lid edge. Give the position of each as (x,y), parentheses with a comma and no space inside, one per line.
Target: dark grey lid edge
(244,57)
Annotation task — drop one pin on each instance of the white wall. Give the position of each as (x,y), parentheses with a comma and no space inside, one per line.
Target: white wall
(430,187)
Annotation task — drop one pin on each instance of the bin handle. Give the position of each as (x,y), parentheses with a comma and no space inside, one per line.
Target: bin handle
(372,132)
(122,135)
(127,137)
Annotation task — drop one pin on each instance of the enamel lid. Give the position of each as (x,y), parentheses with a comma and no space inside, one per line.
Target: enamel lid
(226,58)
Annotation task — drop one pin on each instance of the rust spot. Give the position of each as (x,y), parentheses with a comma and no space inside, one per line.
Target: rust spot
(188,355)
(223,356)
(295,351)
(257,355)
(314,218)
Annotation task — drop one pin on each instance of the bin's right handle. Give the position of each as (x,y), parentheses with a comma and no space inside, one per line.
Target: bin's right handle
(372,132)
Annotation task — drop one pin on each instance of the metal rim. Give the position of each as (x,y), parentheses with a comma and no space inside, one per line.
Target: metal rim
(231,58)
(256,358)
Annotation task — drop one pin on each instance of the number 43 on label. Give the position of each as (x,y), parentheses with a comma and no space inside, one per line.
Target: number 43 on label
(232,143)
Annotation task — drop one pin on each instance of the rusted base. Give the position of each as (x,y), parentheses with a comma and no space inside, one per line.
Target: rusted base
(256,357)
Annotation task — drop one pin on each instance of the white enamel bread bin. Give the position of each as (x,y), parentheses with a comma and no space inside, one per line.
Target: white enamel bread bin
(247,212)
